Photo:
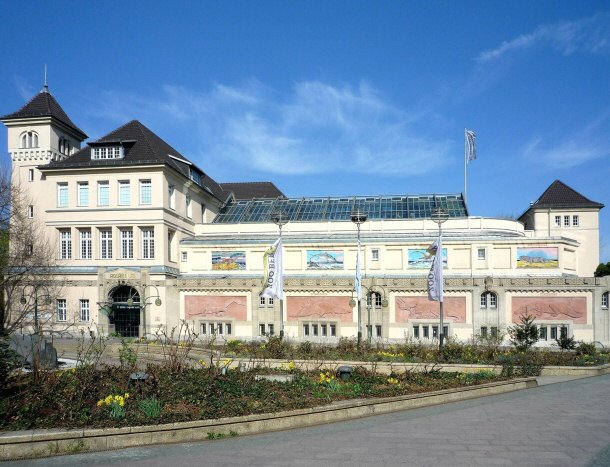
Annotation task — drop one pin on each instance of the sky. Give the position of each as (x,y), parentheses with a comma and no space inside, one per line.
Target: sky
(337,98)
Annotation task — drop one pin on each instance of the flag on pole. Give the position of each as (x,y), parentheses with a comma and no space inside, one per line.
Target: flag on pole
(358,274)
(435,276)
(273,284)
(471,150)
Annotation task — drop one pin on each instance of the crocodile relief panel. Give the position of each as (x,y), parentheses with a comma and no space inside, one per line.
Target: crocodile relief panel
(407,308)
(334,308)
(215,306)
(551,308)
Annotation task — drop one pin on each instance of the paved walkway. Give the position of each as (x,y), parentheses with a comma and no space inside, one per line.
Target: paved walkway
(561,424)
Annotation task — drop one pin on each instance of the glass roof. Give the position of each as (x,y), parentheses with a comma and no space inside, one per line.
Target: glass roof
(334,209)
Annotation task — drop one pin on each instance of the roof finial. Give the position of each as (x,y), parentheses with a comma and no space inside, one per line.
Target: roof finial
(45,88)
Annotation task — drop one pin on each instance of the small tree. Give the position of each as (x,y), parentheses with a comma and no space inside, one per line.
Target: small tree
(602,270)
(525,334)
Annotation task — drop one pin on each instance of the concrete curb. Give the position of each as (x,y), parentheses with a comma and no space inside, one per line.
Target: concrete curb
(44,443)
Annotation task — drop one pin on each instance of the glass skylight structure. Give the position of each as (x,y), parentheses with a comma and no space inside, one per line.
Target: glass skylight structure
(336,209)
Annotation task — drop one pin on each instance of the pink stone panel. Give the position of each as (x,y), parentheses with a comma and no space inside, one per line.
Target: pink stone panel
(215,306)
(553,308)
(319,308)
(454,309)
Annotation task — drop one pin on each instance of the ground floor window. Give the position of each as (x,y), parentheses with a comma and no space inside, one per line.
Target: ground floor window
(489,331)
(319,330)
(553,331)
(215,327)
(427,331)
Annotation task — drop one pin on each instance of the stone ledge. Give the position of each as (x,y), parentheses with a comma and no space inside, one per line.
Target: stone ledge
(43,443)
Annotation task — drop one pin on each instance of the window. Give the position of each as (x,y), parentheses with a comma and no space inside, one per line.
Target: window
(564,332)
(434,332)
(203,328)
(106,244)
(425,332)
(261,301)
(306,329)
(85,244)
(324,330)
(172,198)
(271,329)
(30,175)
(170,242)
(574,221)
(489,299)
(195,176)
(333,330)
(29,139)
(184,255)
(314,330)
(494,332)
(542,333)
(553,332)
(557,221)
(62,195)
(377,300)
(145,192)
(261,329)
(126,243)
(270,302)
(124,193)
(228,327)
(65,244)
(148,244)
(64,146)
(109,152)
(84,310)
(219,328)
(566,221)
(605,300)
(377,330)
(83,194)
(481,253)
(374,255)
(103,193)
(30,211)
(416,332)
(212,329)
(61,309)
(189,209)
(484,300)
(483,331)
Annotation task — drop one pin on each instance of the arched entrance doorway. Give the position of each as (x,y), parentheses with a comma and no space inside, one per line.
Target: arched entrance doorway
(125,316)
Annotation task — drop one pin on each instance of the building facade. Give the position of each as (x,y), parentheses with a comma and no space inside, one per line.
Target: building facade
(145,239)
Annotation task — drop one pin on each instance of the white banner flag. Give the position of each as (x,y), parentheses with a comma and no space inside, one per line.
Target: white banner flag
(358,274)
(273,284)
(435,276)
(471,150)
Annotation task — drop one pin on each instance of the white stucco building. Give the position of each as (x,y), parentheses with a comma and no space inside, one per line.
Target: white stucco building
(135,221)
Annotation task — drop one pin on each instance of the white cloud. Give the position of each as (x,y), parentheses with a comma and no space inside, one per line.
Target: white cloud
(314,128)
(587,35)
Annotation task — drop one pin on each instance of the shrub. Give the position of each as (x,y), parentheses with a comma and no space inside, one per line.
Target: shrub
(566,343)
(525,334)
(584,348)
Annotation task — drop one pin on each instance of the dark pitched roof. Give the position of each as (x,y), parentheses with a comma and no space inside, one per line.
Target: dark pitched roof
(142,147)
(44,104)
(250,190)
(560,195)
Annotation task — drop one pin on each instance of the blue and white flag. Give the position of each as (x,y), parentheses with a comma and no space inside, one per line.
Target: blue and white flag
(273,284)
(358,275)
(471,150)
(435,276)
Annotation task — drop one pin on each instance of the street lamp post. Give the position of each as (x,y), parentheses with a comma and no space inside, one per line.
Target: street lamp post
(359,216)
(280,218)
(440,215)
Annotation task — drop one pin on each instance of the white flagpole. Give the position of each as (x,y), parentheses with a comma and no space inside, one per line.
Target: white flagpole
(465,165)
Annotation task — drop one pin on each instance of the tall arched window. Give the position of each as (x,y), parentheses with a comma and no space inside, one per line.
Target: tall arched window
(29,139)
(489,300)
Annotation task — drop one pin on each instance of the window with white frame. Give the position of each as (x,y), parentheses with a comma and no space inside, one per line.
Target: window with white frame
(105,243)
(30,211)
(261,301)
(103,193)
(84,309)
(62,195)
(127,243)
(375,255)
(145,192)
(270,302)
(261,329)
(148,243)
(64,146)
(85,244)
(320,329)
(65,244)
(605,300)
(481,253)
(271,329)
(29,139)
(172,197)
(124,193)
(184,255)
(30,175)
(542,333)
(557,221)
(62,309)
(428,331)
(189,208)
(489,299)
(574,221)
(566,221)
(108,152)
(83,193)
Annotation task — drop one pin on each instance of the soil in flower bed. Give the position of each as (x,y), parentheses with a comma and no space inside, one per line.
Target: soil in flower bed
(89,397)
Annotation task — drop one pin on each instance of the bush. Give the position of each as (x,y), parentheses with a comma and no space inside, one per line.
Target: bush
(586,349)
(524,335)
(566,343)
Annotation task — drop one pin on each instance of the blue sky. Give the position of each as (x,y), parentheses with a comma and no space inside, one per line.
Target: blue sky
(338,98)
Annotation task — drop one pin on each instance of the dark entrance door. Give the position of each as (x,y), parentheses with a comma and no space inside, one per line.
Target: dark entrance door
(126,311)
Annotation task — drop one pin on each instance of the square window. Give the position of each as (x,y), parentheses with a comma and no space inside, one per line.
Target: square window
(481,253)
(374,255)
